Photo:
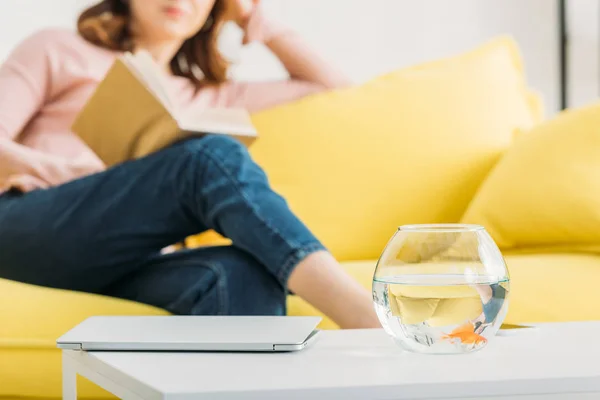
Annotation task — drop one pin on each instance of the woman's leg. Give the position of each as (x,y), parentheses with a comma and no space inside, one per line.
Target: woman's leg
(205,281)
(259,221)
(89,233)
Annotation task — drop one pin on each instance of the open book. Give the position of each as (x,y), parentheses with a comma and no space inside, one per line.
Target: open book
(130,115)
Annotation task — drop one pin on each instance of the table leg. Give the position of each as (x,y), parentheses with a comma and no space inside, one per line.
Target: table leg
(69,378)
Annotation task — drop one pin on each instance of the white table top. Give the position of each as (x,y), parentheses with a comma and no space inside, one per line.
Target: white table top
(555,358)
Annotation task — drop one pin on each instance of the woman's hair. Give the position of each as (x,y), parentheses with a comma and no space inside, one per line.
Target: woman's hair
(107,24)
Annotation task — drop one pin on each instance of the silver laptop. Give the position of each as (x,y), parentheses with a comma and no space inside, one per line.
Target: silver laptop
(192,333)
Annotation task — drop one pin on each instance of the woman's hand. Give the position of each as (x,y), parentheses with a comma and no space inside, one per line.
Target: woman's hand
(55,175)
(74,169)
(239,11)
(88,165)
(24,183)
(248,15)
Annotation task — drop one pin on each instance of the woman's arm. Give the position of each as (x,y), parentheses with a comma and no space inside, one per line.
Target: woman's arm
(301,62)
(309,72)
(25,85)
(299,59)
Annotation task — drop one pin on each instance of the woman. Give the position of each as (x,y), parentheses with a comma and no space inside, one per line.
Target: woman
(67,222)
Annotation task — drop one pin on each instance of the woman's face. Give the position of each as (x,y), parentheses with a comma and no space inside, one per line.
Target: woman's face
(164,20)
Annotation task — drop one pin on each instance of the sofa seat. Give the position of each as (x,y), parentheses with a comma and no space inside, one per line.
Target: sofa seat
(544,288)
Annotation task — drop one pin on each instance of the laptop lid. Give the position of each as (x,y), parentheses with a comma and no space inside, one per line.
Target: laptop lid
(191,333)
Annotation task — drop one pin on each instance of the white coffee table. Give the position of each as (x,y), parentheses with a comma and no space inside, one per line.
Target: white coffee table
(556,361)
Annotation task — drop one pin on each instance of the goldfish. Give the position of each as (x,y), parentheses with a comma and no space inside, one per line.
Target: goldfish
(466,334)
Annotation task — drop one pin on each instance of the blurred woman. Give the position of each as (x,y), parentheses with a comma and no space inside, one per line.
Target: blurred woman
(68,222)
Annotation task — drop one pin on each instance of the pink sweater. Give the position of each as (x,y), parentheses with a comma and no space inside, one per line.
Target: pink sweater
(48,78)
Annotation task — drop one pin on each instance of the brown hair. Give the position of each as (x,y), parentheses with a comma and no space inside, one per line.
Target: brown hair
(107,24)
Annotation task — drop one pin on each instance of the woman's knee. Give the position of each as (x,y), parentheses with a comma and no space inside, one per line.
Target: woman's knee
(240,285)
(252,289)
(204,292)
(223,158)
(217,146)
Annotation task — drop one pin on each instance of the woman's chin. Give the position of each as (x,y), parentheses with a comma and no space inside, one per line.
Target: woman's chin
(173,31)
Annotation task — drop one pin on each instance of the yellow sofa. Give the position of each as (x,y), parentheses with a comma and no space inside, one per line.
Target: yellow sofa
(412,146)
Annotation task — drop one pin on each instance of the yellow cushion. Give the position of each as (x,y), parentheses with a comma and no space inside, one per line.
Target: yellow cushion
(545,191)
(410,146)
(553,287)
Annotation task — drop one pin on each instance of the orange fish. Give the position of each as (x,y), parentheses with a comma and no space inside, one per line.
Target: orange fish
(466,334)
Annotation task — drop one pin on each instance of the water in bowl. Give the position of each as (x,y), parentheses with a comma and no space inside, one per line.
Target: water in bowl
(441,314)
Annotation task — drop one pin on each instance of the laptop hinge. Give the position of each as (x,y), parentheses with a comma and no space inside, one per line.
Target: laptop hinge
(70,346)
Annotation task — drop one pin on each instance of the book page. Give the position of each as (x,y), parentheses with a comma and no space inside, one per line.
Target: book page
(233,121)
(149,73)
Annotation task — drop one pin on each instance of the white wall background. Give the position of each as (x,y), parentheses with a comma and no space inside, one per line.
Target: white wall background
(583,71)
(365,37)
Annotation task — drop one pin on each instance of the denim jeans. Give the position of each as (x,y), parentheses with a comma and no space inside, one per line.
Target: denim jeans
(104,233)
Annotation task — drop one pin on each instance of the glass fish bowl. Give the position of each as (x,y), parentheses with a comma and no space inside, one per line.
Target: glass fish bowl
(441,289)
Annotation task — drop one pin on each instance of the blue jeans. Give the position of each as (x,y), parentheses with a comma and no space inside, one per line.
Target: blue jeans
(104,233)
